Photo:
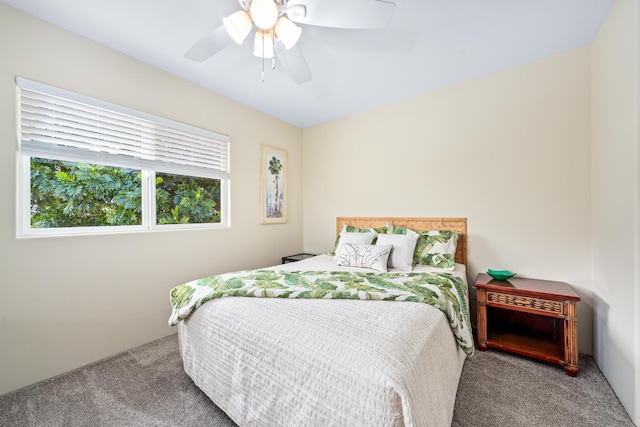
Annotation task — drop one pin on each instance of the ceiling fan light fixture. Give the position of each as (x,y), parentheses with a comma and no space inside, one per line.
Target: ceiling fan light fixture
(264,13)
(263,44)
(287,32)
(238,25)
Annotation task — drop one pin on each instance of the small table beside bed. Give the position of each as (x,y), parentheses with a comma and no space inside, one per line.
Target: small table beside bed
(332,340)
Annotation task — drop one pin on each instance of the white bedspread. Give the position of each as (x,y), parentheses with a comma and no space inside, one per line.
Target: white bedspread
(280,362)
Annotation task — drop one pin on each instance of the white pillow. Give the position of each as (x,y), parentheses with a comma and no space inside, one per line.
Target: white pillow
(402,252)
(367,256)
(355,238)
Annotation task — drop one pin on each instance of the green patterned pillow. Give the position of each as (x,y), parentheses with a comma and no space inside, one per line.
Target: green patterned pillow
(435,248)
(394,229)
(350,229)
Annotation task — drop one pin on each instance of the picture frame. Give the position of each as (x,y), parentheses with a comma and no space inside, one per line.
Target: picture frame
(273,178)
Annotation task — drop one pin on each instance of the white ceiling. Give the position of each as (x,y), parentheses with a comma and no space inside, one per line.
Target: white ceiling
(430,44)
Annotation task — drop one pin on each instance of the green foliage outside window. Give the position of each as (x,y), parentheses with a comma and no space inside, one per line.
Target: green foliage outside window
(187,199)
(70,194)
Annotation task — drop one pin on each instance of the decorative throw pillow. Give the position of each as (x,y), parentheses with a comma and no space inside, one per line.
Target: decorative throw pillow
(403,246)
(350,229)
(436,248)
(364,238)
(394,229)
(367,256)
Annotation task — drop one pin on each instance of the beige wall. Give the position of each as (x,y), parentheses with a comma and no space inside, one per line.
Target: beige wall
(70,301)
(616,195)
(509,151)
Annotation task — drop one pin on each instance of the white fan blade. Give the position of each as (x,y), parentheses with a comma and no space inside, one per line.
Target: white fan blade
(356,14)
(209,45)
(292,60)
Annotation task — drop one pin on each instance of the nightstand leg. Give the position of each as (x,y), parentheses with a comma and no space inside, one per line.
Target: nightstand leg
(481,296)
(571,339)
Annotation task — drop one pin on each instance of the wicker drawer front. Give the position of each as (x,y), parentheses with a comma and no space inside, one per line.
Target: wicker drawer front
(548,306)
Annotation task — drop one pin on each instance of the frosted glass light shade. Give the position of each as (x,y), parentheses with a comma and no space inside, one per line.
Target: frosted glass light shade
(287,32)
(264,13)
(238,25)
(263,44)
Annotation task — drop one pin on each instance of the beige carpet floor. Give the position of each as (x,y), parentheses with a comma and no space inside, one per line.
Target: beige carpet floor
(146,386)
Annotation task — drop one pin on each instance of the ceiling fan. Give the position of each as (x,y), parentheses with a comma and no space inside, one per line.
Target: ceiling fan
(277,33)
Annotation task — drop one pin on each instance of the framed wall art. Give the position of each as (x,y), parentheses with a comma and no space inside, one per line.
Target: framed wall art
(273,177)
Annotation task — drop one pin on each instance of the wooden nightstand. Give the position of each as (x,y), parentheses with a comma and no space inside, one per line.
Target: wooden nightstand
(535,318)
(297,257)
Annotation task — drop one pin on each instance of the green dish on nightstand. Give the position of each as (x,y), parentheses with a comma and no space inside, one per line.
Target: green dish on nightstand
(501,274)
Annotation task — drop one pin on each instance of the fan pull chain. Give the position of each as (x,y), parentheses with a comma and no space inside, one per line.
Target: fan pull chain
(262,57)
(273,57)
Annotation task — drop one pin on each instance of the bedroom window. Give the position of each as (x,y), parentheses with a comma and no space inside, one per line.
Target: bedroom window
(88,166)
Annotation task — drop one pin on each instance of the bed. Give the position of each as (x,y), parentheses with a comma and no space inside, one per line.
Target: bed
(322,360)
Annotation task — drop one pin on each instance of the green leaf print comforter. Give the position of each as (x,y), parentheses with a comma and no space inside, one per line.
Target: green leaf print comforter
(444,291)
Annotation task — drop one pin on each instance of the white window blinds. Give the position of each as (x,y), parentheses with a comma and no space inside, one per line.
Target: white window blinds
(62,125)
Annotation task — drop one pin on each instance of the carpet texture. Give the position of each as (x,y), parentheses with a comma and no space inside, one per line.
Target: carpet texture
(146,386)
(499,388)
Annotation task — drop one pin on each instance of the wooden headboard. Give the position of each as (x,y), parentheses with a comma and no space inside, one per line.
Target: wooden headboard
(453,224)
